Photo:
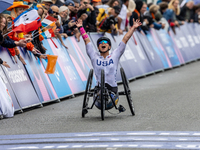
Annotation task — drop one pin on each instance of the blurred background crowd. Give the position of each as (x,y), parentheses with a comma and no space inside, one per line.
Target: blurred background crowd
(113,16)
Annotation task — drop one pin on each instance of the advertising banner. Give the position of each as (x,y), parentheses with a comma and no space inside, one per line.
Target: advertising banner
(17,107)
(174,56)
(183,44)
(158,48)
(58,78)
(153,57)
(68,68)
(195,35)
(19,81)
(80,59)
(144,62)
(190,36)
(40,80)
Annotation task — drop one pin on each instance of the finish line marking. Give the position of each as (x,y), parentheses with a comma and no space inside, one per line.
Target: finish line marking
(115,140)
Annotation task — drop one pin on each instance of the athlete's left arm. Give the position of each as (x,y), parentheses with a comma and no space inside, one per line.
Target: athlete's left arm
(131,30)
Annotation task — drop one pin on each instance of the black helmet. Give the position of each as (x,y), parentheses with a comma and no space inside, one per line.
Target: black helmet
(103,38)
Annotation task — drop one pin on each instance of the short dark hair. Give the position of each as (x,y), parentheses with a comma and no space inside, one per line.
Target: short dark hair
(163,5)
(124,1)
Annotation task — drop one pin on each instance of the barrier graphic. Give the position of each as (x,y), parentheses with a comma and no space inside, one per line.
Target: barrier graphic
(152,56)
(29,85)
(71,75)
(19,81)
(167,43)
(58,78)
(40,80)
(11,92)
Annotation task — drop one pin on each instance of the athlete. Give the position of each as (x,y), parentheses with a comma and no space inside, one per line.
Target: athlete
(104,60)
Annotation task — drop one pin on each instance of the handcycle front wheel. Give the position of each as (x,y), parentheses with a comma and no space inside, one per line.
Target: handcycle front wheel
(127,91)
(102,94)
(87,91)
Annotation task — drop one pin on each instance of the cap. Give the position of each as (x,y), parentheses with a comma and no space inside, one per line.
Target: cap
(63,8)
(49,1)
(96,1)
(131,6)
(69,3)
(17,4)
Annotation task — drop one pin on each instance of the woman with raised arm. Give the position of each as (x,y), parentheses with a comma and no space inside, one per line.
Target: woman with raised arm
(104,60)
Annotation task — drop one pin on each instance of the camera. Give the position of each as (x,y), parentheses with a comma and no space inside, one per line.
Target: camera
(106,23)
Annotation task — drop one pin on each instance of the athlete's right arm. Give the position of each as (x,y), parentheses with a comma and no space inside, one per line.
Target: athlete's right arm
(79,24)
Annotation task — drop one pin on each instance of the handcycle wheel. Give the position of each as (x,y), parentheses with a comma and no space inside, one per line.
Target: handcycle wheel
(87,90)
(127,91)
(102,94)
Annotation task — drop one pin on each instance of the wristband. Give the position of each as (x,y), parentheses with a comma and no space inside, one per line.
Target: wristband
(82,30)
(18,56)
(1,61)
(85,36)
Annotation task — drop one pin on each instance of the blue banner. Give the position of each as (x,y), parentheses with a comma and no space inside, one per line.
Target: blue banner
(144,62)
(153,57)
(194,48)
(40,80)
(11,92)
(183,45)
(67,65)
(80,59)
(168,45)
(58,79)
(19,81)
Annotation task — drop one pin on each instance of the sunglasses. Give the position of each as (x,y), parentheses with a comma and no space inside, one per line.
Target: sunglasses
(103,41)
(56,13)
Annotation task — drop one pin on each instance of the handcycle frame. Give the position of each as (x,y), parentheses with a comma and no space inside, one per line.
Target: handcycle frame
(105,93)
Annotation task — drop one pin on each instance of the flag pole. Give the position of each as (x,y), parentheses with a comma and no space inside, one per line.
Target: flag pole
(7,33)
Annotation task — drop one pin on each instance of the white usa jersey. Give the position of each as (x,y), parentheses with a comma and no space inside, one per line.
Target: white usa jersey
(109,64)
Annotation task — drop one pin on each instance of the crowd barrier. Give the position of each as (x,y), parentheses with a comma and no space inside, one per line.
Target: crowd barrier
(29,86)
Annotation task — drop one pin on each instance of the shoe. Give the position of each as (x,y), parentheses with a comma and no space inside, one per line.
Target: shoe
(121,108)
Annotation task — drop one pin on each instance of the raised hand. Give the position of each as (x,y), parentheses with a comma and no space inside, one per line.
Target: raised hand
(79,23)
(136,23)
(5,64)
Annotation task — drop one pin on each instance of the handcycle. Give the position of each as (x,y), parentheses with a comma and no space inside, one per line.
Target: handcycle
(102,94)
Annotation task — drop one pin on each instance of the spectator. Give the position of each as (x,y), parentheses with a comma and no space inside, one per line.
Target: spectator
(41,10)
(16,9)
(38,38)
(136,13)
(96,3)
(130,10)
(174,5)
(59,30)
(186,12)
(109,23)
(63,16)
(70,28)
(75,9)
(89,23)
(153,10)
(58,3)
(7,42)
(112,3)
(103,12)
(168,14)
(196,13)
(122,17)
(47,4)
